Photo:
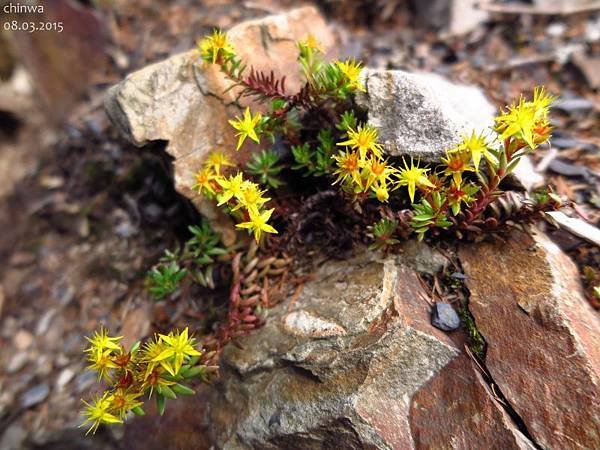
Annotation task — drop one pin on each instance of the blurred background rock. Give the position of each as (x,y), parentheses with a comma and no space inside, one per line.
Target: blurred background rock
(84,213)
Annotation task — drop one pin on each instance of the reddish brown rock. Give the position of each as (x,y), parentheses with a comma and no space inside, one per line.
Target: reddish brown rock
(352,363)
(472,419)
(543,337)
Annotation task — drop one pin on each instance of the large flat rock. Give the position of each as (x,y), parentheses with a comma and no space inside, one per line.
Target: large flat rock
(352,363)
(543,337)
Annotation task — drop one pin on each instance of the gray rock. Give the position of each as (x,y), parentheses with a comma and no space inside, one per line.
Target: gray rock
(422,257)
(444,317)
(13,438)
(543,336)
(452,16)
(560,4)
(574,105)
(422,115)
(64,377)
(45,321)
(352,363)
(17,362)
(35,395)
(85,380)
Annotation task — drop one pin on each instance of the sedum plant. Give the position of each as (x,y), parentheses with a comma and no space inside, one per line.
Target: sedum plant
(453,196)
(161,367)
(328,86)
(194,262)
(265,165)
(330,141)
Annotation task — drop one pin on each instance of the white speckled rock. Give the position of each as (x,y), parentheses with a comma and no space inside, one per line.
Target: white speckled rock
(422,115)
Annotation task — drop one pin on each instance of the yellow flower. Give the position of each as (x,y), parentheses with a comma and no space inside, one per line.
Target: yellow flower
(232,187)
(178,346)
(477,146)
(101,341)
(98,413)
(101,362)
(152,376)
(412,177)
(204,181)
(351,71)
(381,190)
(247,127)
(457,194)
(123,402)
(251,196)
(151,350)
(217,159)
(258,222)
(312,43)
(377,170)
(215,47)
(348,167)
(518,121)
(541,103)
(457,161)
(364,139)
(527,120)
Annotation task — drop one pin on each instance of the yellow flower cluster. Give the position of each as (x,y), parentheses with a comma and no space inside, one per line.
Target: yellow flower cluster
(161,364)
(527,121)
(243,197)
(361,167)
(351,70)
(215,47)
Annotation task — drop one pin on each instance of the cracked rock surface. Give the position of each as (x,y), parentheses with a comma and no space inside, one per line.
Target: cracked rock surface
(352,363)
(543,337)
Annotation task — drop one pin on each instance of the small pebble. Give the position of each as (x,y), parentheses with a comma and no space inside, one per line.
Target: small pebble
(556,29)
(35,395)
(64,377)
(575,104)
(564,142)
(22,339)
(61,360)
(13,438)
(22,259)
(44,366)
(44,322)
(444,317)
(17,362)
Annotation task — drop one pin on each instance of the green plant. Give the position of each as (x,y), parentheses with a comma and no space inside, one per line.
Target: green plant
(265,165)
(195,262)
(164,279)
(163,366)
(475,340)
(382,233)
(450,197)
(329,139)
